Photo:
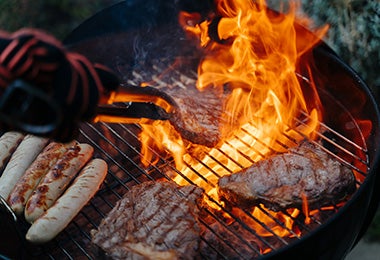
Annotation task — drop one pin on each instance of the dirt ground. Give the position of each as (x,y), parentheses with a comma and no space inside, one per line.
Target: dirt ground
(365,251)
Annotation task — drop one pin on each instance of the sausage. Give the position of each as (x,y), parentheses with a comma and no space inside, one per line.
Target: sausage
(8,144)
(24,155)
(33,175)
(58,216)
(56,180)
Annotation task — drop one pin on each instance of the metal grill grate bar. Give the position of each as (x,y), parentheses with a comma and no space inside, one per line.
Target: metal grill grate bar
(119,145)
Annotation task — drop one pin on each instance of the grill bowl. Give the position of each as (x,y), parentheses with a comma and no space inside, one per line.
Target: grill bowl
(110,38)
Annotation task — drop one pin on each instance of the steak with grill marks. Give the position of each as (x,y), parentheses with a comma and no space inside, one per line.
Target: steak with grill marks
(282,180)
(154,220)
(200,116)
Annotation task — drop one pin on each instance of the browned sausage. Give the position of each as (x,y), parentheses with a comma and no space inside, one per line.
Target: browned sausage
(33,175)
(56,180)
(58,216)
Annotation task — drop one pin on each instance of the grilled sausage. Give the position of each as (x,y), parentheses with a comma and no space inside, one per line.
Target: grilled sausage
(33,175)
(58,216)
(24,155)
(8,144)
(56,180)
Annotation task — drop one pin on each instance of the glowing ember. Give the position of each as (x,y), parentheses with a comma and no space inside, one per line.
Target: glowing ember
(305,208)
(255,57)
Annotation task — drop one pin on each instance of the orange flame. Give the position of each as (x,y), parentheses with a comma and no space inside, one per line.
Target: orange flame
(305,208)
(255,57)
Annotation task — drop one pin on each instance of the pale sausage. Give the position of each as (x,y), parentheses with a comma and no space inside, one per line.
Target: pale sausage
(58,216)
(24,155)
(33,175)
(56,180)
(8,144)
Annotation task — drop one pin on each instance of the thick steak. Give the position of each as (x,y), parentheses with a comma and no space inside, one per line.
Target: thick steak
(281,181)
(200,116)
(154,220)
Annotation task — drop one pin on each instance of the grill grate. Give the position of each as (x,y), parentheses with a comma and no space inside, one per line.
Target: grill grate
(119,145)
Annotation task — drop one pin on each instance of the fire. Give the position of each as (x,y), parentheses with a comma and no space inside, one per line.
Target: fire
(305,208)
(254,53)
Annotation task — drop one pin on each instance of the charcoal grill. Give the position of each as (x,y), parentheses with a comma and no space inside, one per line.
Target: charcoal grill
(123,35)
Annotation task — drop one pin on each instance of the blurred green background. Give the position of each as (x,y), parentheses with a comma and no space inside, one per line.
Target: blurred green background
(354,32)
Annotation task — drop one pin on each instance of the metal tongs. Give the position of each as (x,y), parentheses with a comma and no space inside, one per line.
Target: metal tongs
(128,104)
(134,104)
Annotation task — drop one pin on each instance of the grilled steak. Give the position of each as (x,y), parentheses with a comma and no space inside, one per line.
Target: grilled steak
(200,117)
(281,181)
(154,220)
